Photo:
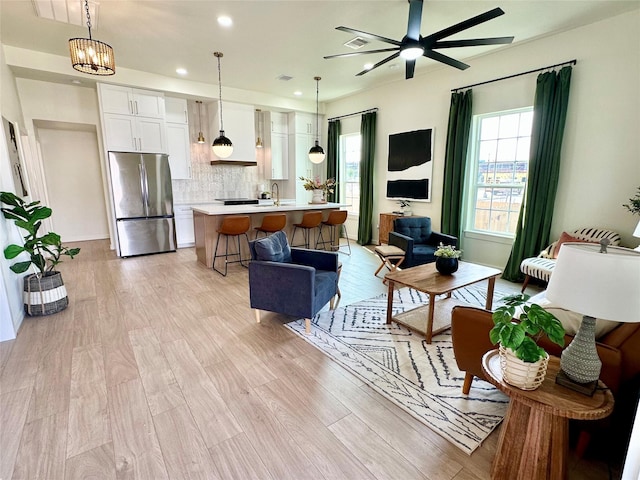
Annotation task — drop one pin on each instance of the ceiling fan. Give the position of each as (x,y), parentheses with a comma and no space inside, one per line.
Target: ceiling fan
(413,45)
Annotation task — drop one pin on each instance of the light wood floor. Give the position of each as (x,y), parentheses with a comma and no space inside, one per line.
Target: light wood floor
(158,370)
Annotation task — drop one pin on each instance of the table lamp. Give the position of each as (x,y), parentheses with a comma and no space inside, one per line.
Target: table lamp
(598,282)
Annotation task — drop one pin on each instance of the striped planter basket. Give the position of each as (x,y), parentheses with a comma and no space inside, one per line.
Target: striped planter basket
(44,294)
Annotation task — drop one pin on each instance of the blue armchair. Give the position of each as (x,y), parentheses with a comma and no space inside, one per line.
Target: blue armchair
(414,236)
(291,281)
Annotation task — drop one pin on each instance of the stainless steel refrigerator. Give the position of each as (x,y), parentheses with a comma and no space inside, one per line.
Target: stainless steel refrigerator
(143,203)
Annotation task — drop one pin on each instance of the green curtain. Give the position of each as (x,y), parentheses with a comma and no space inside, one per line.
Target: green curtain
(455,161)
(333,150)
(536,212)
(367,154)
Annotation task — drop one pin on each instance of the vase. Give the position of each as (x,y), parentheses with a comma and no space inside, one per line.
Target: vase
(446,266)
(524,375)
(44,294)
(318,196)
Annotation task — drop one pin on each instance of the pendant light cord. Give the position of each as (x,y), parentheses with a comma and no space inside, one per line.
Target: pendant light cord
(317,79)
(218,55)
(86,9)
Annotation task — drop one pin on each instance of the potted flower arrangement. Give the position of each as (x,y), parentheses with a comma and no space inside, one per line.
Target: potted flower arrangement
(523,361)
(45,292)
(320,189)
(447,259)
(405,207)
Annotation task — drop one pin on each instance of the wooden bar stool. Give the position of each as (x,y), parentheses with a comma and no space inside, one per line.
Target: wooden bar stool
(310,220)
(271,224)
(232,226)
(336,219)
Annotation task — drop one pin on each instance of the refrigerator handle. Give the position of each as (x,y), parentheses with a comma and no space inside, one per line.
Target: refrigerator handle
(144,188)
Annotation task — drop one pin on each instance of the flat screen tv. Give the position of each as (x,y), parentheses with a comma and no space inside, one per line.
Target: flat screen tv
(409,165)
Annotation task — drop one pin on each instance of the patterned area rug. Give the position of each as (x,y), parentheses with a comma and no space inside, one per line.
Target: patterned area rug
(422,379)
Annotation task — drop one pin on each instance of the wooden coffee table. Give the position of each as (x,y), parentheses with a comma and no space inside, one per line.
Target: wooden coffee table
(436,317)
(533,440)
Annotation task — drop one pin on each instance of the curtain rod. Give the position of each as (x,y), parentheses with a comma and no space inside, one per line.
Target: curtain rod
(569,62)
(353,114)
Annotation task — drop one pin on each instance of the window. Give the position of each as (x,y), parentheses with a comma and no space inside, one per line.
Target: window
(350,171)
(499,170)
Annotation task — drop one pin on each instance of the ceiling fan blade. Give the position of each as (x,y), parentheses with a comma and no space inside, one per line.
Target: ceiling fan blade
(444,59)
(381,62)
(415,18)
(361,53)
(473,42)
(410,67)
(370,36)
(429,40)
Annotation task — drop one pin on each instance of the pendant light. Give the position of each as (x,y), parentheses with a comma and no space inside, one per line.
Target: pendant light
(89,55)
(316,153)
(259,143)
(200,134)
(222,146)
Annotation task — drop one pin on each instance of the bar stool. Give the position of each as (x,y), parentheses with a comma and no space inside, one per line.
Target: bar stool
(310,220)
(232,226)
(271,224)
(337,218)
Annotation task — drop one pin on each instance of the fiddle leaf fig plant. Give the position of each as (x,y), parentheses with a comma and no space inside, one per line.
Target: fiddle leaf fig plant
(44,251)
(521,336)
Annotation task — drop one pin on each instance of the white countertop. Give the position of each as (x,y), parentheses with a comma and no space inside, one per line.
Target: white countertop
(219,209)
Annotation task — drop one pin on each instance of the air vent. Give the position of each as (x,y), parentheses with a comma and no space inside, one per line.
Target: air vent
(356,43)
(284,78)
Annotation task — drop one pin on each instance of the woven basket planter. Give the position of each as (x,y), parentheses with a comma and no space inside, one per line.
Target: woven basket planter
(524,375)
(44,294)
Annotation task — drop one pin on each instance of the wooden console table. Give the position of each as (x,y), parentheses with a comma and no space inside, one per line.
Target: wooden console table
(533,441)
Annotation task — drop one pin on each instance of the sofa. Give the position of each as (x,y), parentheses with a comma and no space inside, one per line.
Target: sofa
(414,236)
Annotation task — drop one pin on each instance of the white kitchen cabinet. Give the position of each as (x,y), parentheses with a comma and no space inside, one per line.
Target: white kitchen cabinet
(239,127)
(300,144)
(277,156)
(176,110)
(185,234)
(131,101)
(179,150)
(303,123)
(128,133)
(278,122)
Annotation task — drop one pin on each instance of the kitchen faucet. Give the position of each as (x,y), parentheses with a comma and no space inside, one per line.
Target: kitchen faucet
(277,200)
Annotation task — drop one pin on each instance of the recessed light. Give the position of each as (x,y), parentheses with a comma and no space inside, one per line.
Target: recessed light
(297,93)
(368,66)
(181,71)
(225,21)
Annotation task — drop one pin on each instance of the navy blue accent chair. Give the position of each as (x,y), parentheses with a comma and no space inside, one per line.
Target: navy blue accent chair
(292,281)
(419,242)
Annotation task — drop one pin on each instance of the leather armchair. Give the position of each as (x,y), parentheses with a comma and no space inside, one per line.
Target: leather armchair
(419,242)
(292,281)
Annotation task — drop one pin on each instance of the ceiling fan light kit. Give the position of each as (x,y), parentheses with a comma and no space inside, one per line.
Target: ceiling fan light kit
(222,146)
(316,153)
(91,56)
(413,45)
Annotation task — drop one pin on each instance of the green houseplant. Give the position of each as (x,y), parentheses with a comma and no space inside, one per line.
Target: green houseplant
(523,361)
(447,259)
(44,289)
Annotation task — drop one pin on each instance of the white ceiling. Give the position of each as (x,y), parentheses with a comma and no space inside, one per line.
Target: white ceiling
(270,38)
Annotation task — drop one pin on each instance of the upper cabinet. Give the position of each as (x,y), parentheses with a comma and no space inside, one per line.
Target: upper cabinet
(131,101)
(276,146)
(239,127)
(176,110)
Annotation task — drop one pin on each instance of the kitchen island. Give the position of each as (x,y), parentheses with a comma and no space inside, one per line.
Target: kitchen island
(207,219)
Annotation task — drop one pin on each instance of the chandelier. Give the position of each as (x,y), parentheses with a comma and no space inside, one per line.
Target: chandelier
(91,56)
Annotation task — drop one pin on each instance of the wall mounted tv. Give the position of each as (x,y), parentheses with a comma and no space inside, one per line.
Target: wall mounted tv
(409,166)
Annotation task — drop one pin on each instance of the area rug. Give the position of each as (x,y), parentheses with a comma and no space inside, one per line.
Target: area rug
(422,379)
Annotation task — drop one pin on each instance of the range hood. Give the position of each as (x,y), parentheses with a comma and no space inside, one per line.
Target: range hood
(239,126)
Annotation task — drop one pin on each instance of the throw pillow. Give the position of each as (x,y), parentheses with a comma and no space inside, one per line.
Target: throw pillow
(566,238)
(274,248)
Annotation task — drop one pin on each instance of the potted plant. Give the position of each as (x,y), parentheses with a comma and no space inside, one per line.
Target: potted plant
(447,259)
(523,361)
(320,189)
(45,292)
(634,204)
(405,207)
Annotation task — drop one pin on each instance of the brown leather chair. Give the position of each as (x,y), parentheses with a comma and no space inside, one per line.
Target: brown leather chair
(336,219)
(232,226)
(470,328)
(271,223)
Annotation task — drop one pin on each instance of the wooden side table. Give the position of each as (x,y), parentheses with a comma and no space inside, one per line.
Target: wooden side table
(533,440)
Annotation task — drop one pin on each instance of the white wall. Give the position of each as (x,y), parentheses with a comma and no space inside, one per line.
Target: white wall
(601,150)
(74,184)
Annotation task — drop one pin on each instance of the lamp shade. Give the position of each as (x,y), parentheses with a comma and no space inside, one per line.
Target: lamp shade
(316,153)
(599,285)
(92,56)
(222,146)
